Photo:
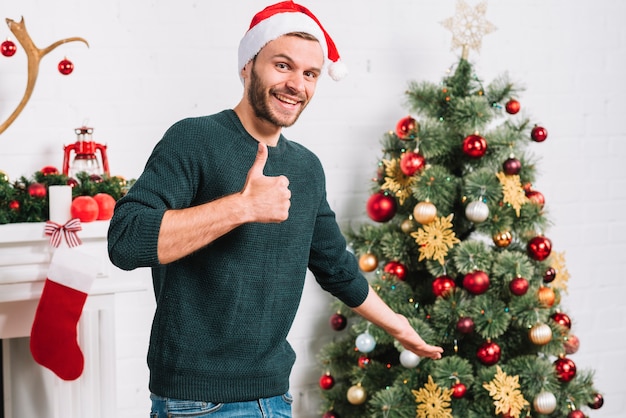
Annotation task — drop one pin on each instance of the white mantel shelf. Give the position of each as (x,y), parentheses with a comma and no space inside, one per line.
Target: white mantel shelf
(25,254)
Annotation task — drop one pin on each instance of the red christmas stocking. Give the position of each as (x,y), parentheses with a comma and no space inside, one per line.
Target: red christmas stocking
(53,337)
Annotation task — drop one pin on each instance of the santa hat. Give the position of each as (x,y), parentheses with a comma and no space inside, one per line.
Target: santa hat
(282,18)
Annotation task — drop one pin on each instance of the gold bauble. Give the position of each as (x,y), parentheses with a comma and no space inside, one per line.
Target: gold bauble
(424,212)
(407,226)
(368,262)
(540,334)
(546,296)
(502,239)
(356,395)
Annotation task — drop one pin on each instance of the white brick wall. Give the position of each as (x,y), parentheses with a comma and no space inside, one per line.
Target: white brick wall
(152,62)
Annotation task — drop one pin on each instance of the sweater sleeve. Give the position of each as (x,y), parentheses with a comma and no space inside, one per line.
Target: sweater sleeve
(168,181)
(334,267)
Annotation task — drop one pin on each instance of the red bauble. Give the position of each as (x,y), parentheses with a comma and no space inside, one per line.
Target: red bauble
(327,381)
(577,413)
(66,67)
(49,170)
(330,414)
(8,48)
(488,353)
(37,190)
(465,325)
(395,268)
(458,390)
(14,205)
(442,285)
(381,207)
(474,146)
(549,275)
(511,166)
(407,128)
(96,178)
(562,319)
(411,162)
(363,362)
(536,197)
(539,134)
(106,204)
(571,344)
(84,208)
(565,369)
(72,182)
(598,401)
(338,321)
(512,106)
(539,248)
(519,286)
(476,282)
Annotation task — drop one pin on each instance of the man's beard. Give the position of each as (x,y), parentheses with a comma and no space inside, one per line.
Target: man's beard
(259,101)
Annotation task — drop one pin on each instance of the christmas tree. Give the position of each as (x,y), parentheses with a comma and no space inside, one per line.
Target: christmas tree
(458,245)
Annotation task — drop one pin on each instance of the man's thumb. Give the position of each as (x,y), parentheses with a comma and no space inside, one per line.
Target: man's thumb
(259,161)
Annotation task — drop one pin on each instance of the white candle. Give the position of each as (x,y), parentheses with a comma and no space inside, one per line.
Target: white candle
(60,203)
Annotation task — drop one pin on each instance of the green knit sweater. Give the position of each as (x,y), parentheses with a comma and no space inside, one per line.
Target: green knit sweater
(223,313)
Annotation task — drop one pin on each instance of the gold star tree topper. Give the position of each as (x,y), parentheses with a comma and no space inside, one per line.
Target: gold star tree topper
(468,26)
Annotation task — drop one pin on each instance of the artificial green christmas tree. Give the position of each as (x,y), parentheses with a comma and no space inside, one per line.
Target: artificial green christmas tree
(458,245)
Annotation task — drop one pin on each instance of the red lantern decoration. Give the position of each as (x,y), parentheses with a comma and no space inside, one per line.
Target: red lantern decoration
(381,207)
(327,381)
(489,353)
(539,248)
(519,286)
(512,106)
(474,146)
(395,268)
(411,162)
(407,128)
(565,369)
(539,134)
(8,48)
(338,321)
(442,285)
(476,282)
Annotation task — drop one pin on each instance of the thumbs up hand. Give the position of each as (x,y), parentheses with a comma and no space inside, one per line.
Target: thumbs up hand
(268,197)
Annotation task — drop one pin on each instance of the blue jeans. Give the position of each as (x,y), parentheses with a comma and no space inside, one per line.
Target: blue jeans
(276,407)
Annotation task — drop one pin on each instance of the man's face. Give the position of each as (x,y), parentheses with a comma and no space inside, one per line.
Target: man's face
(282,79)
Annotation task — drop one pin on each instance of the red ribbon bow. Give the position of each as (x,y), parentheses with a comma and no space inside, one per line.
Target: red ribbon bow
(69,230)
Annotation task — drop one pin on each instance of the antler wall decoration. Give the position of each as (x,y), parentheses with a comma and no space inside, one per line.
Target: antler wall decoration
(34,56)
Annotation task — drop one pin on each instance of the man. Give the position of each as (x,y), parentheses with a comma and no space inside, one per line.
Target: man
(229,214)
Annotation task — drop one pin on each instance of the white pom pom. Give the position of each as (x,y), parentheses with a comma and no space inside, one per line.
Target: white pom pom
(337,70)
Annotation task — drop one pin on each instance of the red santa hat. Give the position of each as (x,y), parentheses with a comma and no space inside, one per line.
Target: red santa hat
(281,18)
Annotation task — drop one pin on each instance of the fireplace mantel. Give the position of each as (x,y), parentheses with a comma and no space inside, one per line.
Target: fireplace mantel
(25,254)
